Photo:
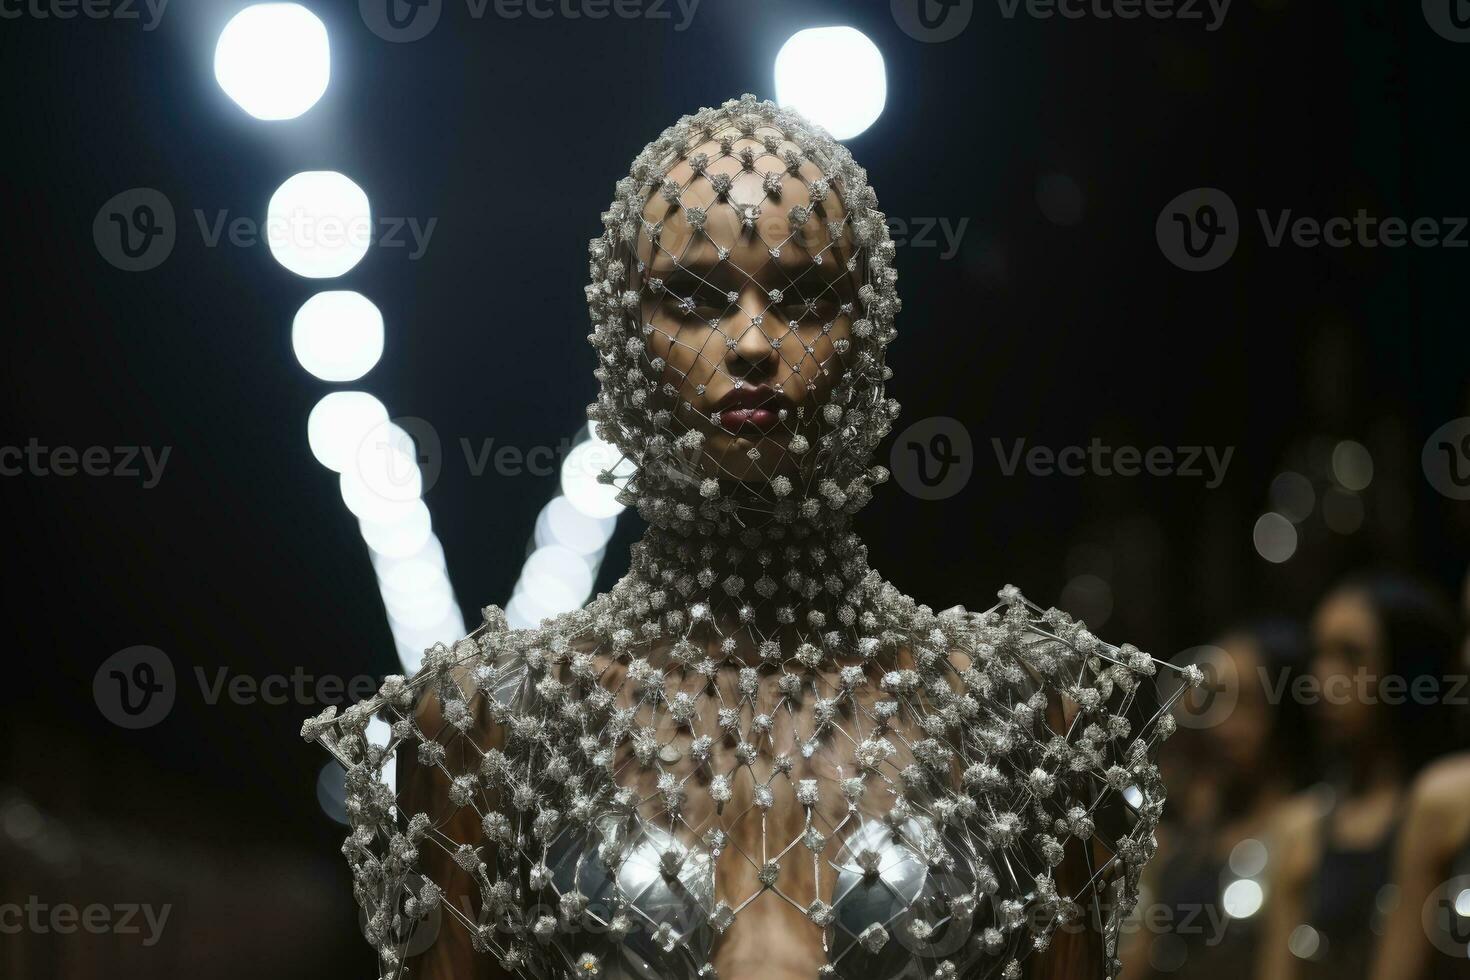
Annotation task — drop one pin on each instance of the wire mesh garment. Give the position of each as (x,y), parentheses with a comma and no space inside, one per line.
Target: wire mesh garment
(752,714)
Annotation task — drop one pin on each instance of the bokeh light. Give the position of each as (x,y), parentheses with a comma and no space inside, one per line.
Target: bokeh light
(805,79)
(274,60)
(1352,465)
(1274,537)
(338,424)
(338,335)
(319,224)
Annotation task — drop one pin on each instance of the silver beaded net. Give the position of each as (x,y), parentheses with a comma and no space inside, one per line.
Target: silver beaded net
(753,726)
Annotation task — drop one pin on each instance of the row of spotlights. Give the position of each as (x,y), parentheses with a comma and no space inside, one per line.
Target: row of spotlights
(275,61)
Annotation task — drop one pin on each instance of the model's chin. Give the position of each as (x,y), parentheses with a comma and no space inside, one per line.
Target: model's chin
(728,456)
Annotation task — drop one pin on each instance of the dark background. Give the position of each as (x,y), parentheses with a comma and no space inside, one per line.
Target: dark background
(512,133)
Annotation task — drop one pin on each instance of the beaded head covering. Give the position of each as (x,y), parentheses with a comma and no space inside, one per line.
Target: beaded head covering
(752,722)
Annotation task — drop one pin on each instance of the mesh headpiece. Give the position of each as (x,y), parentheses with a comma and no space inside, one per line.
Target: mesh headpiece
(742,295)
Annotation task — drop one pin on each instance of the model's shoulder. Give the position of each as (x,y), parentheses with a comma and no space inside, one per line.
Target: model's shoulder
(1443,786)
(1293,831)
(1299,812)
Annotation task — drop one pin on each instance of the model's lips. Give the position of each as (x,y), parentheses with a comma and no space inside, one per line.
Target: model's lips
(756,408)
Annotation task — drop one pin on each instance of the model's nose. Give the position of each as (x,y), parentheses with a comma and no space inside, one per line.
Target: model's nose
(751,349)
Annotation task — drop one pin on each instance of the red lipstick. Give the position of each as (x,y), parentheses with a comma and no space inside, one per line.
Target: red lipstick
(752,407)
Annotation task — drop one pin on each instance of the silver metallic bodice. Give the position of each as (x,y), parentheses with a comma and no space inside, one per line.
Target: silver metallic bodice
(935,801)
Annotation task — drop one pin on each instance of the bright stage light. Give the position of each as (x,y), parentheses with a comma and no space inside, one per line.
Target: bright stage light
(555,568)
(386,463)
(422,612)
(526,609)
(369,506)
(429,547)
(274,60)
(411,643)
(339,423)
(1243,898)
(415,576)
(331,791)
(403,539)
(338,335)
(561,523)
(319,224)
(835,77)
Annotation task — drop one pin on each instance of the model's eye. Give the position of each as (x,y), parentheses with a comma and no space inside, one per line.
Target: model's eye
(702,301)
(814,310)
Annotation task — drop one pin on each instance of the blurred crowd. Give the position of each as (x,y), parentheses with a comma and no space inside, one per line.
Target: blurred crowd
(1318,823)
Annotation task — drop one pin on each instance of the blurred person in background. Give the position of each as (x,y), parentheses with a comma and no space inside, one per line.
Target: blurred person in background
(1427,936)
(1247,751)
(1382,646)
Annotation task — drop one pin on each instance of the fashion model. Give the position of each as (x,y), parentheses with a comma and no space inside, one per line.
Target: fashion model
(1335,844)
(754,757)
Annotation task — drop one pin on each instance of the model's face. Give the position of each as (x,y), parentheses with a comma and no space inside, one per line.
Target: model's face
(751,312)
(1347,658)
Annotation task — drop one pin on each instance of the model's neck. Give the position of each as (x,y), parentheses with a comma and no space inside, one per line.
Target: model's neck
(791,582)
